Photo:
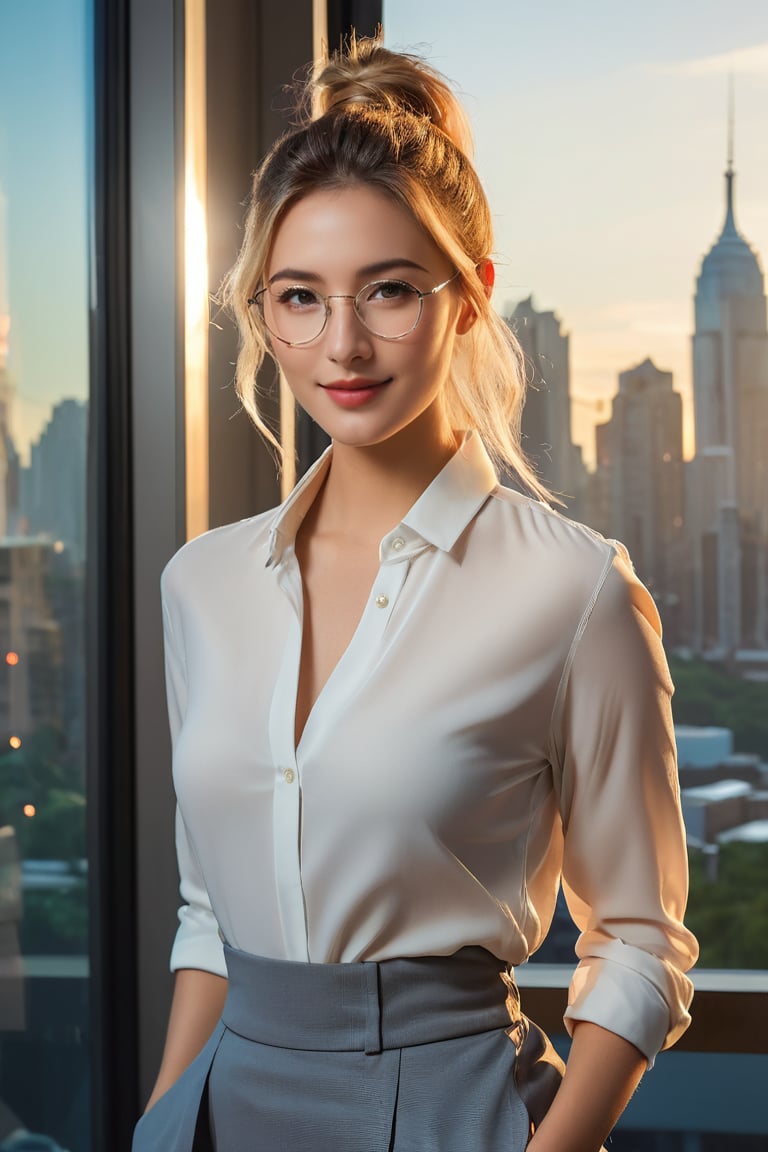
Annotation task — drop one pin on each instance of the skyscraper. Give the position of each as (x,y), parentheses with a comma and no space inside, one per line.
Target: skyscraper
(52,488)
(730,382)
(546,422)
(31,653)
(730,359)
(640,456)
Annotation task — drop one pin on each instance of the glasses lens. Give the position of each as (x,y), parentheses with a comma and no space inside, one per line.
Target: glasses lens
(389,308)
(296,314)
(293,314)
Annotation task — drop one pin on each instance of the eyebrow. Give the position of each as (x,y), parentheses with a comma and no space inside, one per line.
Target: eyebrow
(297,274)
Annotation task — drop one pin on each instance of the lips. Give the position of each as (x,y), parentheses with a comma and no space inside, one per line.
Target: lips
(354,393)
(356,384)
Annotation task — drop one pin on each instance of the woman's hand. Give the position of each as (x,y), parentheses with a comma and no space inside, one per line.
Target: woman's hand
(602,1072)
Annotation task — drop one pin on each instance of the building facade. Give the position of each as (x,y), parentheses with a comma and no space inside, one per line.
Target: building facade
(728,478)
(640,466)
(546,424)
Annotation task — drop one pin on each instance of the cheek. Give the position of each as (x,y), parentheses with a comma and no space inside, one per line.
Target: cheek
(292,362)
(438,345)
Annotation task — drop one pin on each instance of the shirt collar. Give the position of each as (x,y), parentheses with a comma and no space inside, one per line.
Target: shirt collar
(292,511)
(437,518)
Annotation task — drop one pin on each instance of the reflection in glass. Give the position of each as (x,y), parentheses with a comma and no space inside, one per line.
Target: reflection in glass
(44,383)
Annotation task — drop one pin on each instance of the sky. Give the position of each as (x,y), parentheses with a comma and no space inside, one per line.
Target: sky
(601,137)
(601,140)
(44,202)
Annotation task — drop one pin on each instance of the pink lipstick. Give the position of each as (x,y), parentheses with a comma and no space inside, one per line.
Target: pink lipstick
(353,393)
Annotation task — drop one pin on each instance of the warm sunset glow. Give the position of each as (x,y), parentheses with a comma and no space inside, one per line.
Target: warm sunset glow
(195,271)
(30,810)
(287,438)
(12,658)
(15,741)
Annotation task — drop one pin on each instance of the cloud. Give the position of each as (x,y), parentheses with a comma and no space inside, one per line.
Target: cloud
(751,61)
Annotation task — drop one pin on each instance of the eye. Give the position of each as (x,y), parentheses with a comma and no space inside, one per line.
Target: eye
(386,291)
(298,297)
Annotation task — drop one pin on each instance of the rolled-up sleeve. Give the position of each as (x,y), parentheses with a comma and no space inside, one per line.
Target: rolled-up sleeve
(625,873)
(197,943)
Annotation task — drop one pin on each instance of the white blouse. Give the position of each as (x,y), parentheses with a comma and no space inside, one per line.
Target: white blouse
(501,716)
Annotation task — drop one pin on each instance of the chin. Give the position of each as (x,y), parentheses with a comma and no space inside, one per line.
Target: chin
(360,438)
(356,429)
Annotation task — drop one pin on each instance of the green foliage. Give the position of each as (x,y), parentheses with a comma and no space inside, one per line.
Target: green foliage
(40,774)
(707,695)
(730,916)
(57,831)
(55,921)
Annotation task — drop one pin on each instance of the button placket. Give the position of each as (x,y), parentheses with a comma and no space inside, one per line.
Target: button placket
(386,590)
(287,797)
(286,801)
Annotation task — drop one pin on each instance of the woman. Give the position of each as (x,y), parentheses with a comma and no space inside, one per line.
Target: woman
(407,701)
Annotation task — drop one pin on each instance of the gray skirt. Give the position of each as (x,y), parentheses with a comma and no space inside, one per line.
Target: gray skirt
(407,1055)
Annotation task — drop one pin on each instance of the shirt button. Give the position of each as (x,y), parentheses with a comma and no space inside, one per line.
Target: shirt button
(382,601)
(289,775)
(398,544)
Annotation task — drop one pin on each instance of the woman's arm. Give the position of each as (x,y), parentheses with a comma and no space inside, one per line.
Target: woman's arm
(199,994)
(198,1000)
(602,1072)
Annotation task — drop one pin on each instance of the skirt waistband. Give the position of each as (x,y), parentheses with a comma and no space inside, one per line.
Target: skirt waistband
(370,1006)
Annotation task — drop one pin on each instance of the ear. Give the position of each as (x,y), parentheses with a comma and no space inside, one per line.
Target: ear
(487,274)
(468,315)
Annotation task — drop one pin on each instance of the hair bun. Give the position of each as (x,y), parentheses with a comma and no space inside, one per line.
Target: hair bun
(364,72)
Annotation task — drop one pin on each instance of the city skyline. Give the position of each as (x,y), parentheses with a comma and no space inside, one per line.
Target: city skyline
(603,155)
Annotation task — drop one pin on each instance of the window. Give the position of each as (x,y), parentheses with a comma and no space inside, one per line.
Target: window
(632,271)
(45,195)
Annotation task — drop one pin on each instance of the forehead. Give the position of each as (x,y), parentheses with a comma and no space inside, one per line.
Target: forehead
(346,229)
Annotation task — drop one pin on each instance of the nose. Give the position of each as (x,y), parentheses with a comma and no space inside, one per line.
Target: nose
(346,337)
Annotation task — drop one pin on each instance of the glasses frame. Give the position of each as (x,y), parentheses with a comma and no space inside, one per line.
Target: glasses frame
(258,296)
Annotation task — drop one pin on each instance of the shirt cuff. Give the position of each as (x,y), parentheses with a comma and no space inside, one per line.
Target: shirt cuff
(632,993)
(198,943)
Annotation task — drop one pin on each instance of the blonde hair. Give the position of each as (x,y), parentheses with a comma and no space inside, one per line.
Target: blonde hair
(389,121)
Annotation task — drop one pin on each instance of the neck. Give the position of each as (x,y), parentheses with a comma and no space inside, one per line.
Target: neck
(369,490)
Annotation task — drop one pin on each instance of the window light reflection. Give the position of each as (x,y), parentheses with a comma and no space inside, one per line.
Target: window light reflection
(195,271)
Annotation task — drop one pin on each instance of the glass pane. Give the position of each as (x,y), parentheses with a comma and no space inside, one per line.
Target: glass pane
(602,140)
(631,268)
(44,384)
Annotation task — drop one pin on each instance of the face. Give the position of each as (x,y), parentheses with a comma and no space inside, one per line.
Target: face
(363,389)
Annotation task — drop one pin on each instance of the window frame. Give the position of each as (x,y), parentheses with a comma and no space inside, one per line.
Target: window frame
(151,483)
(109,616)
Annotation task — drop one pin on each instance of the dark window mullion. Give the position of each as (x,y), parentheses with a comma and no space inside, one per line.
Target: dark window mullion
(109,603)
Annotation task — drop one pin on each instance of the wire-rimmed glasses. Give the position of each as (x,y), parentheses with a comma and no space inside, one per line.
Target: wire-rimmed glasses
(296,314)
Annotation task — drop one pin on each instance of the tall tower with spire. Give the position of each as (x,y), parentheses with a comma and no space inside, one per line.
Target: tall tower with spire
(730,384)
